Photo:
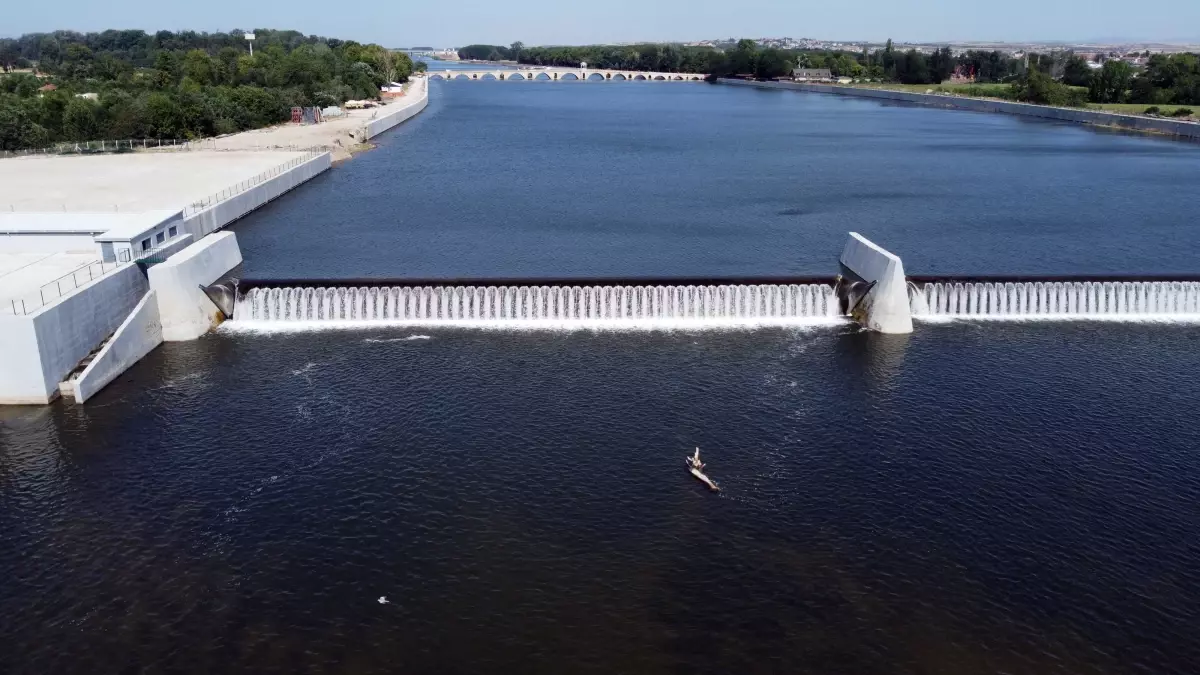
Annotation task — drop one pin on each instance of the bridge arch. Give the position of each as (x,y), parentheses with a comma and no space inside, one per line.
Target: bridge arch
(639,77)
(659,77)
(568,76)
(515,76)
(491,76)
(619,76)
(462,76)
(678,78)
(437,76)
(596,76)
(542,76)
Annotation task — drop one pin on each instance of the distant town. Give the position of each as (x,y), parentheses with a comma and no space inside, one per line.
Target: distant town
(1135,53)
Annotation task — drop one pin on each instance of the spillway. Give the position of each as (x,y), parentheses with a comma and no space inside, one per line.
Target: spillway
(551,306)
(1117,300)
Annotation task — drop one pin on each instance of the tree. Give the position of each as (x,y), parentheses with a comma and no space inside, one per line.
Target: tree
(1111,83)
(1076,72)
(941,65)
(80,121)
(18,130)
(515,50)
(198,66)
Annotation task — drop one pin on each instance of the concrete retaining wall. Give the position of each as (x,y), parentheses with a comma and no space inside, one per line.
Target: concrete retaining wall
(136,337)
(225,212)
(38,350)
(185,311)
(419,99)
(885,307)
(1094,117)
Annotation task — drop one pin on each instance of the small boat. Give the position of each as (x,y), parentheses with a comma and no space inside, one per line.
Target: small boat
(695,467)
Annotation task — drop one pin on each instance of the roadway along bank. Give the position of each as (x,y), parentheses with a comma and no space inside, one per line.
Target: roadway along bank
(1181,129)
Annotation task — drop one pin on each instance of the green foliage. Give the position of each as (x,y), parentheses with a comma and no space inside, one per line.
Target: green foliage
(178,85)
(1036,86)
(1076,72)
(1111,83)
(1173,79)
(486,53)
(1152,110)
(1182,112)
(668,58)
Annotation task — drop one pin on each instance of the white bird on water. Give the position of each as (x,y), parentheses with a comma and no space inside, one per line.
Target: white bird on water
(383,600)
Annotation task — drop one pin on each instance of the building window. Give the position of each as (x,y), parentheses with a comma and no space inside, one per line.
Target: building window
(158,238)
(173,231)
(145,244)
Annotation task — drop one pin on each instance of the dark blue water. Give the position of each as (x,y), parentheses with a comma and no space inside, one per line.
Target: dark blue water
(690,179)
(973,498)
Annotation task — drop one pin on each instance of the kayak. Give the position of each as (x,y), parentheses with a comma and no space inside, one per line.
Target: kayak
(703,479)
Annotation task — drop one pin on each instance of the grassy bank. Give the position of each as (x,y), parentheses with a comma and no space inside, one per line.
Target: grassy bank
(1004,92)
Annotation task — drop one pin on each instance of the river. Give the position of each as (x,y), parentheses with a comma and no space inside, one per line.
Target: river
(977,497)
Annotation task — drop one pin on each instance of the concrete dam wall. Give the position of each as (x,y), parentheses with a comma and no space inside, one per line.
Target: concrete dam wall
(1189,130)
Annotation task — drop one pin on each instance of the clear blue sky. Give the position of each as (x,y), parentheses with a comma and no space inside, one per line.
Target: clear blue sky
(442,24)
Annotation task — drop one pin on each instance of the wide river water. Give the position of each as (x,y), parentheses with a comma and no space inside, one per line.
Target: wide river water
(978,497)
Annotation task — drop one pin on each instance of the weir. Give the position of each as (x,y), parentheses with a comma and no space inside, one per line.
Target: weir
(539,303)
(1056,298)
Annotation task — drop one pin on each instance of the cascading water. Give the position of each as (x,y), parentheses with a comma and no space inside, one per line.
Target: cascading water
(1113,300)
(550,306)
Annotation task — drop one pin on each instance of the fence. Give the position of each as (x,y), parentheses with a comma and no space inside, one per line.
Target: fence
(81,276)
(233,190)
(128,145)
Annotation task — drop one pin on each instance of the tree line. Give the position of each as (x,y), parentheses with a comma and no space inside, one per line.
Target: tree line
(1057,78)
(132,84)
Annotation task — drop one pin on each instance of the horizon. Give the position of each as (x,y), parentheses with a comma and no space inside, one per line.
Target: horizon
(543,23)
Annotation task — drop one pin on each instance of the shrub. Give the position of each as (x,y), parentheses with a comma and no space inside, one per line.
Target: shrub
(1182,112)
(1152,110)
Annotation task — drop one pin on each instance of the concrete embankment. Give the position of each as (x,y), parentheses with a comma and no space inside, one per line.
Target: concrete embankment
(202,219)
(40,348)
(1189,130)
(415,101)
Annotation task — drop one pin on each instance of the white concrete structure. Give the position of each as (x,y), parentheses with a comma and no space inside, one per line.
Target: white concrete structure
(221,210)
(566,75)
(110,236)
(135,182)
(185,311)
(137,234)
(885,307)
(136,337)
(39,349)
(400,111)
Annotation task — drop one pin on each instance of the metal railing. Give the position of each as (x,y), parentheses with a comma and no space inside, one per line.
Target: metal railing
(234,190)
(71,281)
(85,274)
(146,144)
(106,147)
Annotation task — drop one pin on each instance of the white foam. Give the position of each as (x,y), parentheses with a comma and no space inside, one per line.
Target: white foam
(1038,318)
(632,325)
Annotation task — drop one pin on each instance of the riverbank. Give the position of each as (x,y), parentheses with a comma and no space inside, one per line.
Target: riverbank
(343,136)
(1114,120)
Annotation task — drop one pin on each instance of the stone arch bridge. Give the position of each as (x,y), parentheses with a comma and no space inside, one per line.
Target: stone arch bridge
(567,75)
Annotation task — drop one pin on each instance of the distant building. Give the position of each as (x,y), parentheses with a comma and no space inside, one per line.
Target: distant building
(812,74)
